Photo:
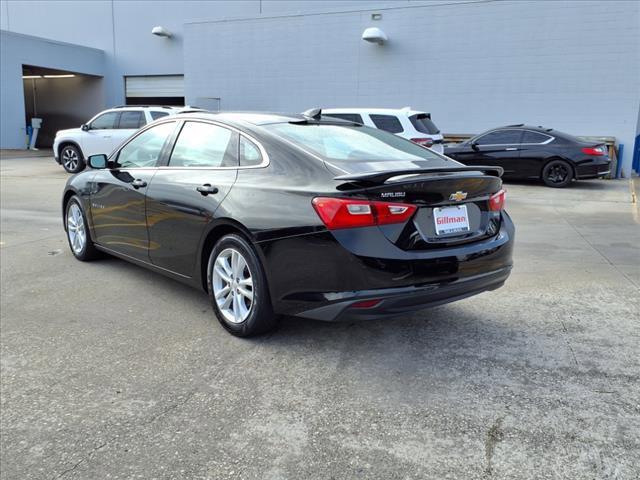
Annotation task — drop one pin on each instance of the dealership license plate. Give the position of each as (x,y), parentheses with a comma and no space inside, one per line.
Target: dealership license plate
(451,219)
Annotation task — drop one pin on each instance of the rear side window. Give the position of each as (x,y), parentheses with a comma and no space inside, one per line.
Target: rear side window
(351,117)
(131,120)
(157,115)
(205,145)
(388,123)
(500,137)
(422,123)
(249,153)
(105,121)
(534,137)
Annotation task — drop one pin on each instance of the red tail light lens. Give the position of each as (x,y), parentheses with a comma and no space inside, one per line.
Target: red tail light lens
(496,201)
(599,151)
(425,142)
(367,303)
(337,213)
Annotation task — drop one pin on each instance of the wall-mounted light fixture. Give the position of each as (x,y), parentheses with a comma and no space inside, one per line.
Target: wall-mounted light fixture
(160,31)
(67,75)
(374,35)
(31,76)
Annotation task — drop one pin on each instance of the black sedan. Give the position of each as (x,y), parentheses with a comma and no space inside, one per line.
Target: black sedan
(526,152)
(293,215)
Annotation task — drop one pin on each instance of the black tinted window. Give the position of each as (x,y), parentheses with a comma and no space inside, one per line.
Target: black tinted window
(500,137)
(157,115)
(423,124)
(388,123)
(204,145)
(105,121)
(351,117)
(534,137)
(249,153)
(144,150)
(131,120)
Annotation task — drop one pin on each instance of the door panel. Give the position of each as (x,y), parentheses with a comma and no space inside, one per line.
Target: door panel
(118,211)
(178,214)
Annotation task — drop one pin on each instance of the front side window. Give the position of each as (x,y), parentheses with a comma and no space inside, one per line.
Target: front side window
(500,137)
(105,121)
(249,153)
(353,143)
(131,120)
(145,149)
(388,123)
(205,145)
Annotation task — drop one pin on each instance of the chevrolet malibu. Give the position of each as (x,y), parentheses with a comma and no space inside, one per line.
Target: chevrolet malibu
(300,215)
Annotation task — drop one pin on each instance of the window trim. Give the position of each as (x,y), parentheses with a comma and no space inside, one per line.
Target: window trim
(266,161)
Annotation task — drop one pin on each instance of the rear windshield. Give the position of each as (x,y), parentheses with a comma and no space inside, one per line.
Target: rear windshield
(423,124)
(352,143)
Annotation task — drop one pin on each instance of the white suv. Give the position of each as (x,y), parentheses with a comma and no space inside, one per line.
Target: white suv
(411,124)
(103,133)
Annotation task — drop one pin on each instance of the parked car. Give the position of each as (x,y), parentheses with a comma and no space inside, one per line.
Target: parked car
(413,125)
(293,214)
(535,152)
(102,134)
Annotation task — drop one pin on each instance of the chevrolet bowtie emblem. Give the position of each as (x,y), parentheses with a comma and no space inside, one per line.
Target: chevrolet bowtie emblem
(458,196)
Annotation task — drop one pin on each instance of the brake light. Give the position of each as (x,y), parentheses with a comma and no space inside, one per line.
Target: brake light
(496,201)
(337,213)
(598,151)
(374,302)
(425,142)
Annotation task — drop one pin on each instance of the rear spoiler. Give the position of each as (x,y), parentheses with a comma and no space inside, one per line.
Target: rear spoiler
(377,178)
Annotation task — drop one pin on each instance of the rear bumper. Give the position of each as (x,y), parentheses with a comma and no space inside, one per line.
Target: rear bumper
(394,302)
(595,169)
(322,275)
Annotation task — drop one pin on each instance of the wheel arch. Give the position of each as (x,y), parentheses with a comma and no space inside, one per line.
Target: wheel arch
(64,143)
(218,230)
(65,201)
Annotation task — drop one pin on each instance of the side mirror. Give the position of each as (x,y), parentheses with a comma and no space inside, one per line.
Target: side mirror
(85,127)
(98,161)
(474,145)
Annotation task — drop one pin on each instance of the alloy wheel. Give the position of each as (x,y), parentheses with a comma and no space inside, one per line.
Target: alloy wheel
(558,173)
(232,285)
(70,158)
(75,228)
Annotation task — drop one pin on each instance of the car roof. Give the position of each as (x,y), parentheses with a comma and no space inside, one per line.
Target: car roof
(405,111)
(522,126)
(255,118)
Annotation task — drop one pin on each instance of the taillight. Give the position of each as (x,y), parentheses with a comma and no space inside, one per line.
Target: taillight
(496,201)
(425,142)
(598,151)
(374,302)
(337,213)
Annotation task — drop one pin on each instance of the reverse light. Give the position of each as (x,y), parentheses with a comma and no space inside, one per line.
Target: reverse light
(337,213)
(425,142)
(599,151)
(496,201)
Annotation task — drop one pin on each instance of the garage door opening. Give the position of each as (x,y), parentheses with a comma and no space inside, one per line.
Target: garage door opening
(155,90)
(62,99)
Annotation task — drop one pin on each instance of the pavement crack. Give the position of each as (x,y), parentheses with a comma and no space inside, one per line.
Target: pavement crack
(573,354)
(79,462)
(494,436)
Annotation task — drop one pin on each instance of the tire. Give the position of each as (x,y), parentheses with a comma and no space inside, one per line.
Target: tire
(557,174)
(71,159)
(245,310)
(78,234)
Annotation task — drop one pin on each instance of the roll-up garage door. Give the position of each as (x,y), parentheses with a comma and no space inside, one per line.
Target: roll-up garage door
(155,86)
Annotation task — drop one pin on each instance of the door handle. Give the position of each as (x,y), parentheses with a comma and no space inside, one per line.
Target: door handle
(207,189)
(511,149)
(138,183)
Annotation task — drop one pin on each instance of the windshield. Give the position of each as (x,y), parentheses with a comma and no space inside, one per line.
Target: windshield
(353,143)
